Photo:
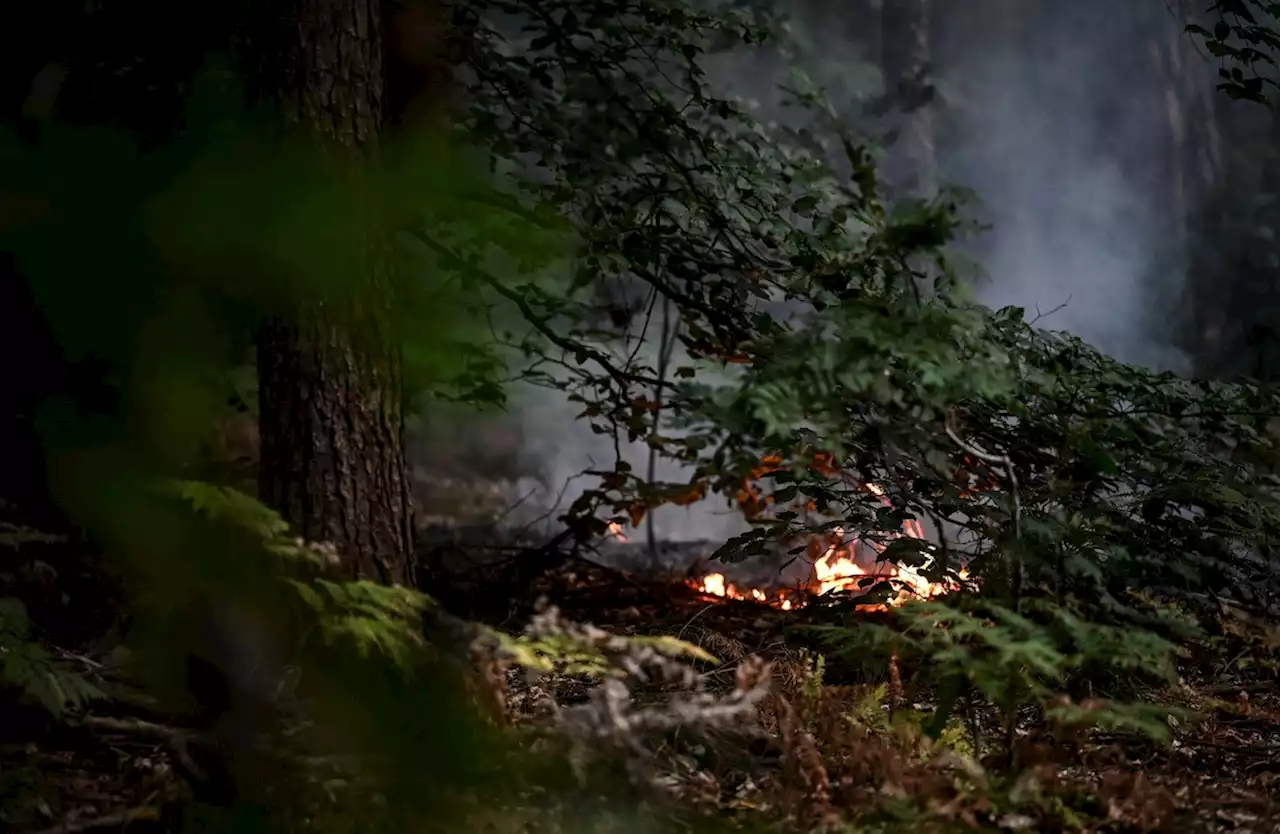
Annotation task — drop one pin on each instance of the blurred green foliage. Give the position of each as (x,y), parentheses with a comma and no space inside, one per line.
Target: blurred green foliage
(156,263)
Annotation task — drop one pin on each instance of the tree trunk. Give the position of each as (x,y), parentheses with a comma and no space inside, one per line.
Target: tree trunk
(331,411)
(906,57)
(860,22)
(1194,149)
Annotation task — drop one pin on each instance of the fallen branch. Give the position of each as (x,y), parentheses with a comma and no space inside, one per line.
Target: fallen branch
(1267,750)
(146,813)
(176,739)
(136,726)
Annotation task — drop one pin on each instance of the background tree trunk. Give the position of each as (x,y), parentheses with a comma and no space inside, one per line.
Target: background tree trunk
(906,56)
(331,411)
(1194,150)
(859,20)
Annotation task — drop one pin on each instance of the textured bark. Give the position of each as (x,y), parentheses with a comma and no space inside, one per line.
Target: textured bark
(906,55)
(332,438)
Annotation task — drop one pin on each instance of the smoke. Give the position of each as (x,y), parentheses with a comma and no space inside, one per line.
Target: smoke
(1059,120)
(1065,120)
(1063,128)
(565,447)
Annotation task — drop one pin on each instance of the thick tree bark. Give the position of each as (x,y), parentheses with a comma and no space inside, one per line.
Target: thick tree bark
(331,412)
(906,56)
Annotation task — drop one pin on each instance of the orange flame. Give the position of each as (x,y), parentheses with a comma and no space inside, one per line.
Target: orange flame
(715,585)
(835,566)
(837,570)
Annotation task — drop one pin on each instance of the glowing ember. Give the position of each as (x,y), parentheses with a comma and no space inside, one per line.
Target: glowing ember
(615,530)
(715,585)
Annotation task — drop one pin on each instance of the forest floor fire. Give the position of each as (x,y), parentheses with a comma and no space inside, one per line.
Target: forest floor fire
(836,568)
(837,571)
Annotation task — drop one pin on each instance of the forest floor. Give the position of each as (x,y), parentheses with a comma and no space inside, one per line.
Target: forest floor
(841,753)
(867,759)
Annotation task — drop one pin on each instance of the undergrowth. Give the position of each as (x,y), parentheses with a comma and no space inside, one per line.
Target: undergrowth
(972,728)
(28,666)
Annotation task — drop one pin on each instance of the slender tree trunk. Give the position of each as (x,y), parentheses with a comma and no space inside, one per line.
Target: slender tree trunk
(331,412)
(906,56)
(1198,168)
(1204,152)
(1194,144)
(1169,58)
(860,21)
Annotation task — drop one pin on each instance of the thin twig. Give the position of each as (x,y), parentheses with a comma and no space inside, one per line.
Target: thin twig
(516,505)
(539,323)
(555,504)
(1010,473)
(79,658)
(666,345)
(1007,464)
(685,627)
(1040,315)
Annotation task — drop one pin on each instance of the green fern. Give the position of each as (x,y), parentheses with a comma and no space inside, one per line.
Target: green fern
(229,505)
(557,653)
(371,618)
(574,654)
(375,619)
(26,665)
(1151,720)
(380,621)
(1016,660)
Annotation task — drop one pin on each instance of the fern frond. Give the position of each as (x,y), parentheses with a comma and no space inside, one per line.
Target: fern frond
(29,667)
